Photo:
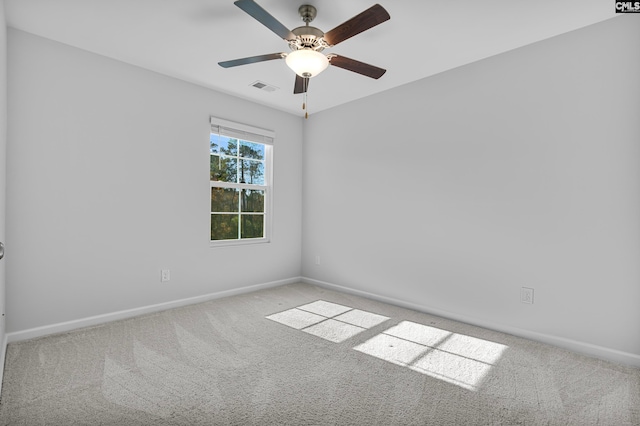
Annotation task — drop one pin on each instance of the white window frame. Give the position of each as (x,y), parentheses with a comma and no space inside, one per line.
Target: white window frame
(254,134)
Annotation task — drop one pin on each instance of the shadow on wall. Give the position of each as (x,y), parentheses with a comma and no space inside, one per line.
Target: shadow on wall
(454,358)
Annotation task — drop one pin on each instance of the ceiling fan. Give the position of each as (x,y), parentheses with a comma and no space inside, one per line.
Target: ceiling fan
(307,42)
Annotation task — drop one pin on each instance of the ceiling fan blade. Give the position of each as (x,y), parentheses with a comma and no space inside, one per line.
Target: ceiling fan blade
(371,17)
(251,60)
(357,66)
(301,85)
(265,18)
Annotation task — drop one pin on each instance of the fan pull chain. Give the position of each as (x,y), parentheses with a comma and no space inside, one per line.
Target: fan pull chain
(304,105)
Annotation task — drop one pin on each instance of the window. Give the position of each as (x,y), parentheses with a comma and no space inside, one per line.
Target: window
(240,177)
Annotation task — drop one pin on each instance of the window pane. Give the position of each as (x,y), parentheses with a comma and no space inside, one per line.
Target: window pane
(224,200)
(251,150)
(251,172)
(252,201)
(223,168)
(224,227)
(214,144)
(252,226)
(223,145)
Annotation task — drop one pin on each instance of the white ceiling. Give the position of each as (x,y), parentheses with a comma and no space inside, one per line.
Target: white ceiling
(186,39)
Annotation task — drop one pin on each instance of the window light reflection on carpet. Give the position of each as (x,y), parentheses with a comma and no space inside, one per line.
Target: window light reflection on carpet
(330,321)
(455,358)
(451,357)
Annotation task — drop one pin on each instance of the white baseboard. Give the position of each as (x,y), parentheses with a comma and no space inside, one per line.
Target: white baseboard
(62,327)
(572,345)
(3,354)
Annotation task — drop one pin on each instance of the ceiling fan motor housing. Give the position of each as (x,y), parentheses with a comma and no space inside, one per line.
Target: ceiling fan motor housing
(308,37)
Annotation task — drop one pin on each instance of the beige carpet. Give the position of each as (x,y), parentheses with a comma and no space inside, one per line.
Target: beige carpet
(304,355)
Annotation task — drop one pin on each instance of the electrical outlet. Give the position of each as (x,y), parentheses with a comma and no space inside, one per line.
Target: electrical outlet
(526,295)
(317,260)
(165,275)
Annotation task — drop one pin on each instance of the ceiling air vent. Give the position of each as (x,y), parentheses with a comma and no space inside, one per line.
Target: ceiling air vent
(264,86)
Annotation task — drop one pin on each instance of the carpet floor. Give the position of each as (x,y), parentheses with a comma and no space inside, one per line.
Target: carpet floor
(305,355)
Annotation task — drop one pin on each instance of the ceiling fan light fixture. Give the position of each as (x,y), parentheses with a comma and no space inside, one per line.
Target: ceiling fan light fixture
(307,63)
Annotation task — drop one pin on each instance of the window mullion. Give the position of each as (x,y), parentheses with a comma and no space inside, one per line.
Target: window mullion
(239,213)
(231,185)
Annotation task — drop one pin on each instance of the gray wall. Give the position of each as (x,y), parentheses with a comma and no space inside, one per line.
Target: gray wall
(455,191)
(108,184)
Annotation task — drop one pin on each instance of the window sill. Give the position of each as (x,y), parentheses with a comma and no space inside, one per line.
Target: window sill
(236,243)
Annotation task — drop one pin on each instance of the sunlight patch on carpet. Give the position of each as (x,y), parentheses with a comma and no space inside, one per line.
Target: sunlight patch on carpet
(295,318)
(334,331)
(326,309)
(330,321)
(389,348)
(454,358)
